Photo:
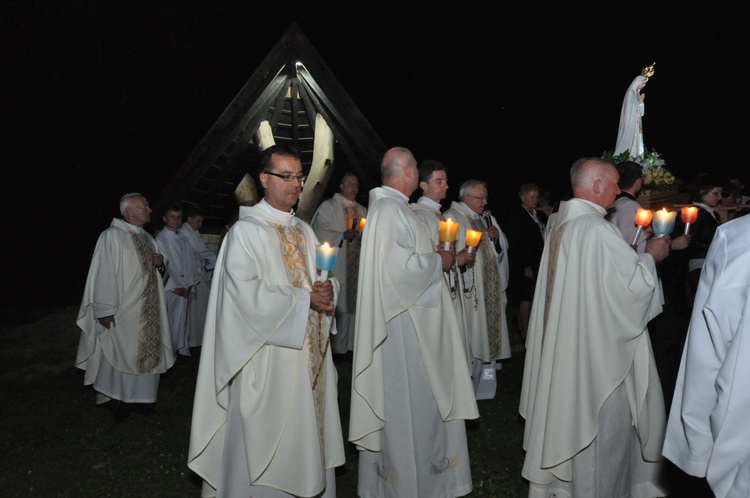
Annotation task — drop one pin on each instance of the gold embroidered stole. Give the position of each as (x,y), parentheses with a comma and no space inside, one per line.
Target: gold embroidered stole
(491,289)
(352,261)
(149,337)
(294,251)
(554,252)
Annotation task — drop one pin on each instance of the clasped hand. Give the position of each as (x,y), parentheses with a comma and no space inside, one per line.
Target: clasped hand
(321,296)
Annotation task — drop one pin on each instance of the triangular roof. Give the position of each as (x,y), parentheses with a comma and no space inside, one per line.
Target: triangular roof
(288,89)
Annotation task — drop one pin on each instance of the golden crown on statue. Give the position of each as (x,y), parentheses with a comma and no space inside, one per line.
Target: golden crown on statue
(648,71)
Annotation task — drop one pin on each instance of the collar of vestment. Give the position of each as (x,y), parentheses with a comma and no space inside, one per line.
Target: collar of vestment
(170,233)
(278,216)
(626,194)
(426,201)
(343,200)
(465,209)
(116,222)
(384,191)
(705,206)
(577,207)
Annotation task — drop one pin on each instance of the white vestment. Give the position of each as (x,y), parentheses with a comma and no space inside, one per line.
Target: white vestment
(428,212)
(708,434)
(265,418)
(588,355)
(182,271)
(331,220)
(411,389)
(200,289)
(484,306)
(123,362)
(630,131)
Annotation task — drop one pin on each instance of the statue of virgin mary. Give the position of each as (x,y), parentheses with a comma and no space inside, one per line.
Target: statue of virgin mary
(630,132)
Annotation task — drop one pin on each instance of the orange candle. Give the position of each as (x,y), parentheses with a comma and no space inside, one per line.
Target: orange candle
(448,230)
(689,214)
(472,238)
(643,217)
(361,224)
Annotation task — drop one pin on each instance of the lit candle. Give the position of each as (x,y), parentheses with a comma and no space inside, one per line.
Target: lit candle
(472,238)
(448,230)
(325,259)
(642,220)
(663,223)
(689,215)
(361,224)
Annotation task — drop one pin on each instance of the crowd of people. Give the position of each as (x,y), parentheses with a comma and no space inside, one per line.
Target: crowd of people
(423,313)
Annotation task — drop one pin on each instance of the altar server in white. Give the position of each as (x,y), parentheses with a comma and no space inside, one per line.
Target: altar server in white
(411,390)
(708,434)
(265,418)
(591,394)
(182,276)
(205,261)
(336,221)
(125,342)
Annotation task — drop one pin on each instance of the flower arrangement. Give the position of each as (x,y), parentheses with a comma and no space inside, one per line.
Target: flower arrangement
(655,174)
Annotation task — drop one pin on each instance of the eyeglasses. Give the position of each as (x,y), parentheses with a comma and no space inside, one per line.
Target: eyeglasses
(289,178)
(483,198)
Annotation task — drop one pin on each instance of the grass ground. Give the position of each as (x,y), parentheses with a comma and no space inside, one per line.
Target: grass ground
(57,443)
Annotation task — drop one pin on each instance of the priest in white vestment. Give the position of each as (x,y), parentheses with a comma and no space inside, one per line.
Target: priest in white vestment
(483,286)
(708,434)
(206,261)
(182,275)
(411,390)
(336,221)
(265,418)
(591,395)
(433,181)
(125,342)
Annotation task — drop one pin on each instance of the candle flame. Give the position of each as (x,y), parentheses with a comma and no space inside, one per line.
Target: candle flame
(643,217)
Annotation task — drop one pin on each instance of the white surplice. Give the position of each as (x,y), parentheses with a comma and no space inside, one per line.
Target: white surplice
(411,388)
(265,418)
(182,271)
(200,289)
(588,355)
(486,324)
(123,362)
(708,434)
(330,222)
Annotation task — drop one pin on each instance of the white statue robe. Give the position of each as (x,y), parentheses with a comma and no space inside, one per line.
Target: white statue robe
(124,361)
(330,222)
(428,212)
(259,427)
(182,271)
(708,434)
(486,327)
(630,131)
(589,361)
(411,388)
(200,290)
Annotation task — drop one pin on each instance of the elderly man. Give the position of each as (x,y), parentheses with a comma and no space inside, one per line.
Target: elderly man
(125,342)
(591,396)
(336,221)
(411,390)
(483,286)
(707,434)
(265,417)
(183,273)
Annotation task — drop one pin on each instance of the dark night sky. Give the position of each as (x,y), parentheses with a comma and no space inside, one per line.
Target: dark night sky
(105,97)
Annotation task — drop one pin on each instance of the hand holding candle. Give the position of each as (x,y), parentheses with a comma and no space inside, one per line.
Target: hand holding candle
(448,230)
(663,222)
(689,215)
(642,220)
(472,239)
(325,259)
